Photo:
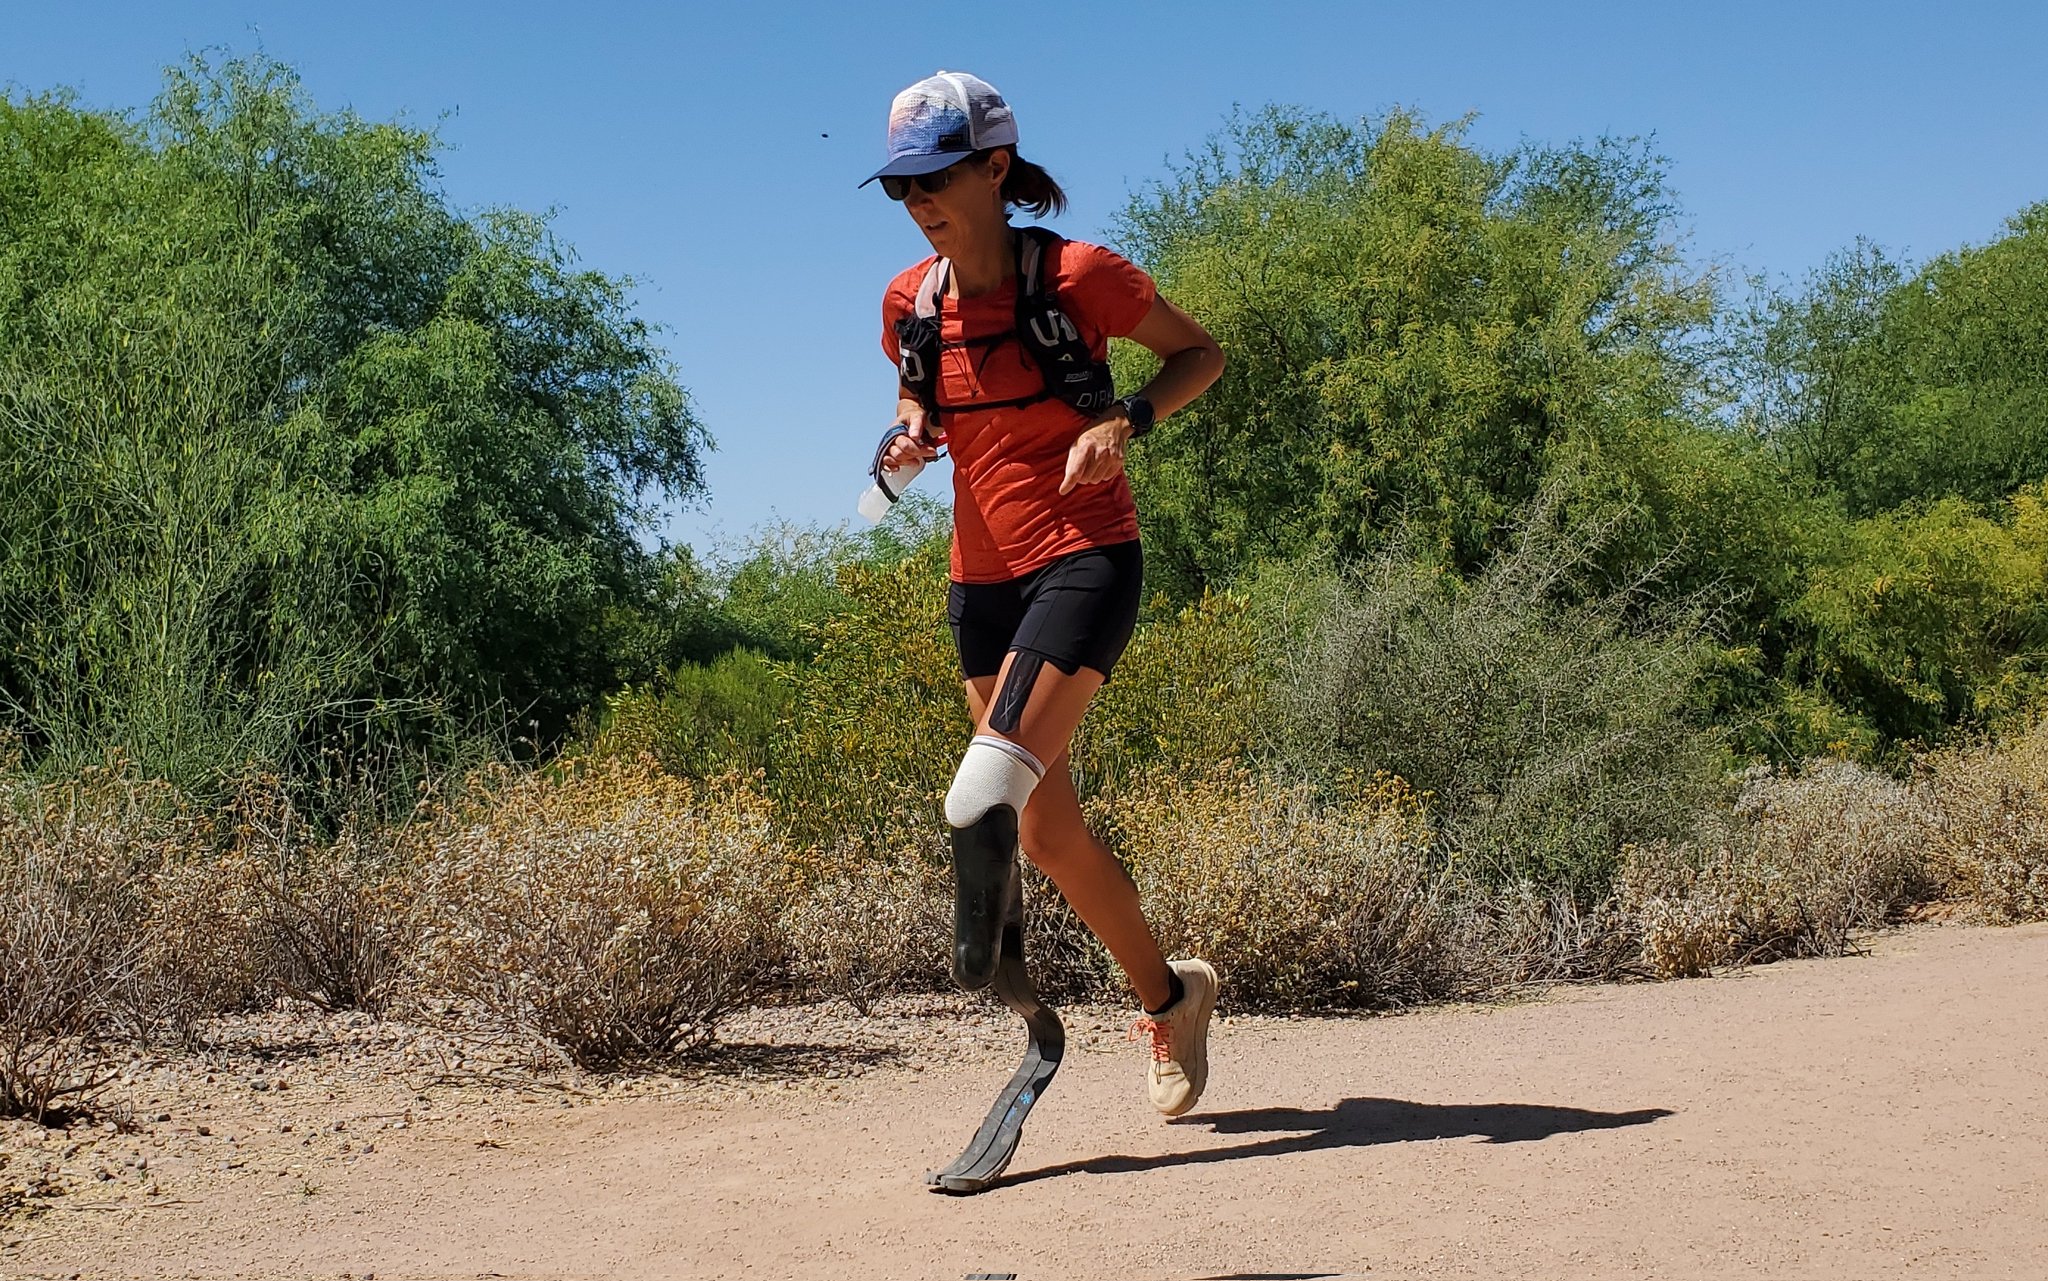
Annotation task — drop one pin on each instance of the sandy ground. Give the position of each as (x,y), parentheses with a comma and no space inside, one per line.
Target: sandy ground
(1878,1116)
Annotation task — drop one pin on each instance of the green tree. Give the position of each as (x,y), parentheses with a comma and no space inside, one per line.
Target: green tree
(1813,363)
(283,436)
(1889,389)
(1413,326)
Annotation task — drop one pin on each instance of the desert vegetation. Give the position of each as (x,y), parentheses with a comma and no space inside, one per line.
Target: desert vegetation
(1530,605)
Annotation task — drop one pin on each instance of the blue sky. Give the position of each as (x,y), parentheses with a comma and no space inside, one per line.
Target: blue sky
(712,151)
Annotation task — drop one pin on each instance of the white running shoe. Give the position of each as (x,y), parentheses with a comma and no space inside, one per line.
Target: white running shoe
(1179,1070)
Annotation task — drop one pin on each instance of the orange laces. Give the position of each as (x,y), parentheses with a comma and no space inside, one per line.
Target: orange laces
(1162,1036)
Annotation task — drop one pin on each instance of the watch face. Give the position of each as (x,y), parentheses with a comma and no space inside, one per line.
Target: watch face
(1139,411)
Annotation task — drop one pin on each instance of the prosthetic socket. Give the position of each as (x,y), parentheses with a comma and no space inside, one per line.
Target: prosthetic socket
(989,790)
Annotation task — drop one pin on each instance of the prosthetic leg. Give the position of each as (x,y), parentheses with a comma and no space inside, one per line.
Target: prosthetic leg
(988,945)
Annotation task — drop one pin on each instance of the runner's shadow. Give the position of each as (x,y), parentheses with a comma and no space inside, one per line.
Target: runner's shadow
(791,1058)
(1358,1123)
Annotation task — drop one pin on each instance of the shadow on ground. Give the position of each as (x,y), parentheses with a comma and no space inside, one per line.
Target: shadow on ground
(787,1059)
(1357,1123)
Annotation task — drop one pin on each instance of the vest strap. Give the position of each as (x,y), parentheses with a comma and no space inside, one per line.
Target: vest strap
(1068,368)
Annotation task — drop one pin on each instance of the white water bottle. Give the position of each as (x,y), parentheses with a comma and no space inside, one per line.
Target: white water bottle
(890,482)
(888,487)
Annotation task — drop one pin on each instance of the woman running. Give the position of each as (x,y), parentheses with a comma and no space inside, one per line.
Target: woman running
(1001,341)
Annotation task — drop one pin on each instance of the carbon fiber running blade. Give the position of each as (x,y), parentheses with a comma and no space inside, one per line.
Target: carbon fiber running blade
(988,1155)
(996,1142)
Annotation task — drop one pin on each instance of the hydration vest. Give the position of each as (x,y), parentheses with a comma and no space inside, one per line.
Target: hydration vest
(1071,372)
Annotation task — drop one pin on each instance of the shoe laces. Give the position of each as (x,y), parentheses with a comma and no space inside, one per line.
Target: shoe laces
(1161,1032)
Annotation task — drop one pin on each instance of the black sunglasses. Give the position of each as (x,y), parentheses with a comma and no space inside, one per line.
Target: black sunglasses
(897,188)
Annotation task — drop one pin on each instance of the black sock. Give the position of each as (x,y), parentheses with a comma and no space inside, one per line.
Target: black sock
(1175,990)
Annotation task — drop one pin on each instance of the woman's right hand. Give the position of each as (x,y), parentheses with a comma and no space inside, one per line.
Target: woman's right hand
(920,443)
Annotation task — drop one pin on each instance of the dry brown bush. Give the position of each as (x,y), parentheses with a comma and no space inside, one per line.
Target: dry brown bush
(1990,844)
(335,915)
(1804,862)
(65,948)
(1067,960)
(1530,933)
(1300,903)
(619,913)
(80,962)
(866,925)
(203,953)
(615,911)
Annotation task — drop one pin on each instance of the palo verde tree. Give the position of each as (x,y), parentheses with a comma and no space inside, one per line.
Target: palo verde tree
(1890,389)
(1413,326)
(285,438)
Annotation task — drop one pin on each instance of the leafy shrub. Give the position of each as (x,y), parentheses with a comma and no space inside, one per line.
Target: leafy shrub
(1991,840)
(1926,619)
(1891,387)
(1302,904)
(1788,722)
(878,719)
(706,720)
(1543,734)
(783,584)
(286,434)
(1186,694)
(1412,324)
(615,911)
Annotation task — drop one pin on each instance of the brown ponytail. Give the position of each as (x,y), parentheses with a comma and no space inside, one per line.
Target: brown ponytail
(1031,188)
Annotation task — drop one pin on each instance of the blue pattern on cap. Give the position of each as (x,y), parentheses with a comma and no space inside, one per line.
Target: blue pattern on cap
(926,128)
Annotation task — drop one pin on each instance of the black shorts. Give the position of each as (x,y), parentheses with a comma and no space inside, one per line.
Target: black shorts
(1077,612)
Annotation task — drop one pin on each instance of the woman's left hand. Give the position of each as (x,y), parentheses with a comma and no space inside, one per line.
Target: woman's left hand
(1098,454)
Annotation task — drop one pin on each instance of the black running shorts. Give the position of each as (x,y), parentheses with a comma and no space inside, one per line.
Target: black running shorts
(1077,612)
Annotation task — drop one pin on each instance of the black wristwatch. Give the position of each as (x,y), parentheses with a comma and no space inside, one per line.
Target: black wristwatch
(1139,411)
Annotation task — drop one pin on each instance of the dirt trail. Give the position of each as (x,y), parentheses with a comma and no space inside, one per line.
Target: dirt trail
(1876,1116)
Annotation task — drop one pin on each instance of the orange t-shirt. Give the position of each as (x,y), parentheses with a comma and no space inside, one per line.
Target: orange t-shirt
(1009,516)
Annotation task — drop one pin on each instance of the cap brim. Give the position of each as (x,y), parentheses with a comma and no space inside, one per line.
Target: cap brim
(913,165)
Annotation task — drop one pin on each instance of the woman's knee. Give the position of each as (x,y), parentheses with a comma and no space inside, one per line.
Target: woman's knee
(1057,842)
(1044,839)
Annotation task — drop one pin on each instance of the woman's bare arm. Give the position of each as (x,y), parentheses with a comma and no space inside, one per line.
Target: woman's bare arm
(1190,358)
(1190,361)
